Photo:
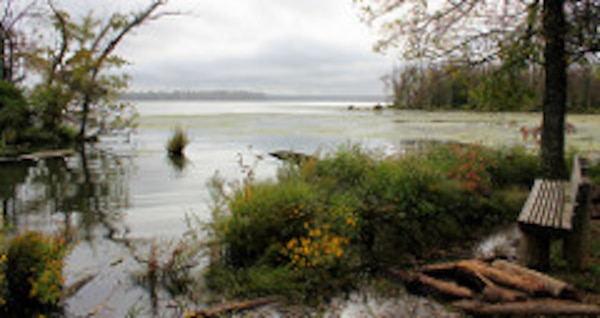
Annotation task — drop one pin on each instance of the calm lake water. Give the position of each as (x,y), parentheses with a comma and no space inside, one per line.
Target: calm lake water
(117,196)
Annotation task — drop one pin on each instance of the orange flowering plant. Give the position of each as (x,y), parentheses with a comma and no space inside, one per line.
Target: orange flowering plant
(32,271)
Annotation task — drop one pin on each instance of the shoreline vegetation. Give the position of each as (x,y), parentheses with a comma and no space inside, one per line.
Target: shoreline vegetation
(326,224)
(329,223)
(325,221)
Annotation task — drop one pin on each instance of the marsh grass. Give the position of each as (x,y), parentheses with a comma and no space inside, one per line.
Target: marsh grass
(325,222)
(177,143)
(168,267)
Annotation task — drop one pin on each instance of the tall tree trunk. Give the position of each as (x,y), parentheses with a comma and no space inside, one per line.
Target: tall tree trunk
(555,93)
(3,54)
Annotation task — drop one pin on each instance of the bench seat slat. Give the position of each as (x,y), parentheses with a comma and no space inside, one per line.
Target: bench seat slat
(551,204)
(526,212)
(559,204)
(549,208)
(545,204)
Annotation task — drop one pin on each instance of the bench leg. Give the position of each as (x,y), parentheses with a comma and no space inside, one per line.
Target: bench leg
(576,242)
(534,250)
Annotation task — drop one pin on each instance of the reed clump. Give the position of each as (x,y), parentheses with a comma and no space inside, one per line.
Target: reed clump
(178,142)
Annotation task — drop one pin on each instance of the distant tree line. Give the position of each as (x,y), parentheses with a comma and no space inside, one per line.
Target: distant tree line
(488,87)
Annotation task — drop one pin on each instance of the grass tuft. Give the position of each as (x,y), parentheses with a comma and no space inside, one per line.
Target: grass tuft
(177,143)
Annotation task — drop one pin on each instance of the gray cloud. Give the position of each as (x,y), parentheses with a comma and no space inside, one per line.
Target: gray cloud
(278,46)
(290,65)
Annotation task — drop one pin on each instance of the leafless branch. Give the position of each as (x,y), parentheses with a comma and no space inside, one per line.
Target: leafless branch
(137,21)
(64,45)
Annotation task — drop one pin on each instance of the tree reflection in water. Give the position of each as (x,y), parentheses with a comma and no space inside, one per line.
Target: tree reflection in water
(179,163)
(81,194)
(80,197)
(13,174)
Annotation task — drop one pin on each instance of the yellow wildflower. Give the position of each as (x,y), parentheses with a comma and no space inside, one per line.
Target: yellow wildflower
(292,243)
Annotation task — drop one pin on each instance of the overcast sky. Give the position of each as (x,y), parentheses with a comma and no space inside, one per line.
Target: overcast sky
(273,46)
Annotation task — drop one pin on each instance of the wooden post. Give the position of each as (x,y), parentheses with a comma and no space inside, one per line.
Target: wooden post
(576,242)
(534,248)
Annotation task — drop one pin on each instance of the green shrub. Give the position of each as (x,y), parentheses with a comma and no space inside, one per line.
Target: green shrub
(32,265)
(346,169)
(330,217)
(515,166)
(593,173)
(14,112)
(261,217)
(254,281)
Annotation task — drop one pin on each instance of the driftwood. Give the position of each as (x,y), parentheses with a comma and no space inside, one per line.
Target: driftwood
(496,294)
(526,283)
(499,288)
(526,308)
(78,285)
(500,277)
(235,307)
(550,285)
(444,288)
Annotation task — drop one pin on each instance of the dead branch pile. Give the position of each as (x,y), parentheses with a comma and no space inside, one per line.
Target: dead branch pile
(496,288)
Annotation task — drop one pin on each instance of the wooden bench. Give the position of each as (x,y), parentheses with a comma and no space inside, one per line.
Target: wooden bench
(555,209)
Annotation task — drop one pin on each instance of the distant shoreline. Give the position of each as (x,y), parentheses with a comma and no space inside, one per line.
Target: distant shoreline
(243,96)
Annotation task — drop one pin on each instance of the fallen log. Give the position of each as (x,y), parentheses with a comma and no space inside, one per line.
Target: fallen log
(479,269)
(448,288)
(499,282)
(235,307)
(422,281)
(498,276)
(489,291)
(550,285)
(527,308)
(496,294)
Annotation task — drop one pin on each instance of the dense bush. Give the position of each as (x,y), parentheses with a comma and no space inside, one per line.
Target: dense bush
(515,166)
(23,122)
(14,113)
(350,210)
(594,173)
(31,279)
